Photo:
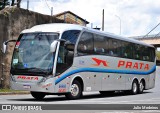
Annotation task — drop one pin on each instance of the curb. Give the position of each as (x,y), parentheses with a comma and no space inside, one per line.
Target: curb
(15,93)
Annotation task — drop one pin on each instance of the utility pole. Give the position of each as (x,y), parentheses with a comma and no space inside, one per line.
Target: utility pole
(27,4)
(119,24)
(103,20)
(51,11)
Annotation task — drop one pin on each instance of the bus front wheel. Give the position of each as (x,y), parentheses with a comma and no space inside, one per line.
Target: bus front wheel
(76,90)
(38,95)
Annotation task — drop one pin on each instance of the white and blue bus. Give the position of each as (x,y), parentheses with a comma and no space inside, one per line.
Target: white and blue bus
(71,59)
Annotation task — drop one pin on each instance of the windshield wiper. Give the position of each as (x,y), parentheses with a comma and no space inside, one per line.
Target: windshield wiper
(38,70)
(31,71)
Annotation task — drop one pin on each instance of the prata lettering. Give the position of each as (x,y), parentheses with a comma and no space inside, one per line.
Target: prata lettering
(133,65)
(27,77)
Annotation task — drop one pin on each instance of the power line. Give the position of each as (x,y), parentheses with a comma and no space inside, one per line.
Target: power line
(151,30)
(158,34)
(47,5)
(51,9)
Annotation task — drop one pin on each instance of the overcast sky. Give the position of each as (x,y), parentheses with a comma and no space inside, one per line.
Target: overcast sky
(137,17)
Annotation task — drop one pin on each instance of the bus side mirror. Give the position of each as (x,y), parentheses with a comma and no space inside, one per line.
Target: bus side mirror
(53,46)
(70,47)
(4,47)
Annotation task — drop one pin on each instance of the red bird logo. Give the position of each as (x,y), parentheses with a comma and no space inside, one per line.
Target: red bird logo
(99,62)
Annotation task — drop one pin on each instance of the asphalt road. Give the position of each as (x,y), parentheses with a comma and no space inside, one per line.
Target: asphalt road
(151,96)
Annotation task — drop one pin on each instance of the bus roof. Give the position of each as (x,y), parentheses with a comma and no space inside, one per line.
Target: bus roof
(61,27)
(55,27)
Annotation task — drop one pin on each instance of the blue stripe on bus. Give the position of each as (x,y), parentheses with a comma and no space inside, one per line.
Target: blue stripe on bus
(105,71)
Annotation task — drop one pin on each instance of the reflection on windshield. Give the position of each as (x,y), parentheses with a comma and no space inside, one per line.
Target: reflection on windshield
(32,51)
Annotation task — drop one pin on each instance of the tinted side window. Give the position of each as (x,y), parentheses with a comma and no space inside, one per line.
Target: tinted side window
(99,44)
(71,35)
(137,52)
(85,45)
(145,53)
(115,47)
(126,50)
(152,54)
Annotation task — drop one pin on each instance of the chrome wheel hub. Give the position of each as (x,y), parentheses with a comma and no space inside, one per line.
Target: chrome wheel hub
(74,89)
(141,86)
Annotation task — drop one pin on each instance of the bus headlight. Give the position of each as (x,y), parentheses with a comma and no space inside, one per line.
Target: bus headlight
(44,79)
(13,78)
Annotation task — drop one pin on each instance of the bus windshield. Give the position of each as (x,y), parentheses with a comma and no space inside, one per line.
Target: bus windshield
(32,54)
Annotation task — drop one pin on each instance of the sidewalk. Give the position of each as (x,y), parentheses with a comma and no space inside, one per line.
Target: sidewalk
(15,93)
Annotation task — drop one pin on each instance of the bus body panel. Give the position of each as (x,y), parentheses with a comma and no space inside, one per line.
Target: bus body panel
(98,72)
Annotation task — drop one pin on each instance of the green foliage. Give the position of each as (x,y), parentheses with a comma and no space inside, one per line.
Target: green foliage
(8,90)
(6,14)
(158,55)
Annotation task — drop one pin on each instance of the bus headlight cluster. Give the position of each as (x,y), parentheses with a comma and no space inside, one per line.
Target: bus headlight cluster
(13,78)
(44,79)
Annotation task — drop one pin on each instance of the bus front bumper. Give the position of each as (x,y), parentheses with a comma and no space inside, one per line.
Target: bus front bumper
(34,84)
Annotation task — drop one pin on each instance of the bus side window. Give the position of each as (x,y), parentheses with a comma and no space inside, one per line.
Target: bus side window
(99,44)
(71,36)
(85,45)
(138,52)
(145,53)
(126,49)
(114,47)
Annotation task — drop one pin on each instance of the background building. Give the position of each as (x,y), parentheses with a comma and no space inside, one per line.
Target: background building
(72,18)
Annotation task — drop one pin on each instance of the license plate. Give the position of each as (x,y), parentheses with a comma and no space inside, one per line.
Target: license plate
(26,86)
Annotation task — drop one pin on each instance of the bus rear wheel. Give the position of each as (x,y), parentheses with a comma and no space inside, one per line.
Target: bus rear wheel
(134,89)
(141,87)
(76,90)
(38,95)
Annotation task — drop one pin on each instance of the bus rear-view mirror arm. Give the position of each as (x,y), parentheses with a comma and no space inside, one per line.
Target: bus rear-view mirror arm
(68,45)
(5,45)
(54,44)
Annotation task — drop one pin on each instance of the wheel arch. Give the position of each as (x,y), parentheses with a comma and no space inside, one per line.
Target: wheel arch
(135,79)
(79,79)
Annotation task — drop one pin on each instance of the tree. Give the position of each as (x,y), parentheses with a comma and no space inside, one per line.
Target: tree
(12,4)
(3,3)
(18,3)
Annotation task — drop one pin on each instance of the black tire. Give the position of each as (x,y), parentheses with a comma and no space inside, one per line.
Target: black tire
(106,92)
(141,87)
(76,91)
(135,88)
(38,95)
